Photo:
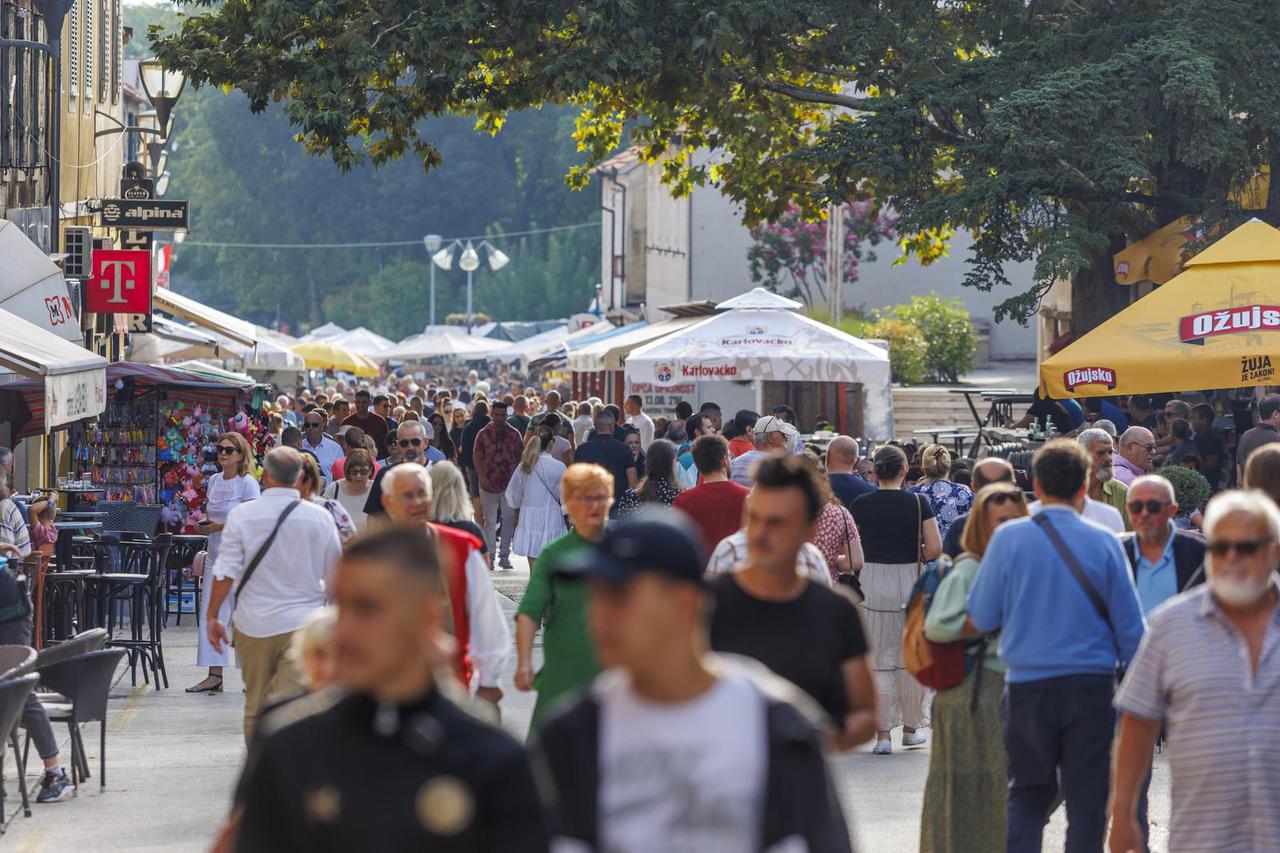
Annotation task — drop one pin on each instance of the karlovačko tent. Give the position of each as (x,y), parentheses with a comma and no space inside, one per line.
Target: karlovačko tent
(1215,325)
(731,358)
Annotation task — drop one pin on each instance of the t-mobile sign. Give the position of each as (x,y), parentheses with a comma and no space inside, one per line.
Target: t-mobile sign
(121,283)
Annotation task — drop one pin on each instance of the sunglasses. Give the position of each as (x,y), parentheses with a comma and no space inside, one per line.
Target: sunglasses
(314,424)
(1243,547)
(1002,498)
(1152,507)
(228,449)
(359,470)
(409,442)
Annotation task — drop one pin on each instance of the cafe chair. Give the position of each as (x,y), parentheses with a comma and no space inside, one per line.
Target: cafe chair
(83,684)
(13,697)
(140,583)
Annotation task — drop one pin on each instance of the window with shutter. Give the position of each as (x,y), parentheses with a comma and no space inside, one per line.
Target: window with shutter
(104,49)
(89,36)
(117,39)
(73,52)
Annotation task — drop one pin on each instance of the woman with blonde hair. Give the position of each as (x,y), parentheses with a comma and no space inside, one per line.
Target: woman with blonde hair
(534,493)
(451,504)
(966,792)
(949,500)
(558,604)
(227,489)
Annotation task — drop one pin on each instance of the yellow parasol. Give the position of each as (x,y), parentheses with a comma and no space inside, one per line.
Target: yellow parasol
(1216,325)
(322,355)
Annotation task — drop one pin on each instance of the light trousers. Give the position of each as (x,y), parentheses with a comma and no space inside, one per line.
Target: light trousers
(206,654)
(493,502)
(887,587)
(268,671)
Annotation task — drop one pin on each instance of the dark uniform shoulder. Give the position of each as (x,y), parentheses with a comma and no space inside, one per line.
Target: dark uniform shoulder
(308,711)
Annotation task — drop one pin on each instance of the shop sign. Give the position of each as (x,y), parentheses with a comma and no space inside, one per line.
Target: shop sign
(74,396)
(1195,328)
(1073,379)
(150,214)
(121,283)
(132,238)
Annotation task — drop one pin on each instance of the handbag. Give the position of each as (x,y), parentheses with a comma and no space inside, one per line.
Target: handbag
(850,578)
(257,559)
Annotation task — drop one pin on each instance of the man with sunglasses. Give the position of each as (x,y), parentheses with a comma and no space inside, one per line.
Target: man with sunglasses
(314,441)
(1164,560)
(374,425)
(1206,672)
(1134,459)
(412,443)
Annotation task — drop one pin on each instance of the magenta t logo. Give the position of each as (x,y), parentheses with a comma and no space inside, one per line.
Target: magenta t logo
(113,277)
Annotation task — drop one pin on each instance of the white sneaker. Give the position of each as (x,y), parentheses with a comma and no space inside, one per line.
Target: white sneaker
(882,747)
(913,739)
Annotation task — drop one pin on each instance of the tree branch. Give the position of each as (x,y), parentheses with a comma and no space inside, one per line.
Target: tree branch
(811,96)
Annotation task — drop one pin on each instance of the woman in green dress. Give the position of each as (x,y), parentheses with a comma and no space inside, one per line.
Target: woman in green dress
(559,604)
(966,792)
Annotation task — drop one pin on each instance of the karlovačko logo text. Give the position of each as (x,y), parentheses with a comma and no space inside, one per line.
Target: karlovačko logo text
(702,371)
(1195,328)
(1073,379)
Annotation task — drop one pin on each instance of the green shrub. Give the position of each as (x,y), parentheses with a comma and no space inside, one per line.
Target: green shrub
(949,336)
(906,349)
(1190,488)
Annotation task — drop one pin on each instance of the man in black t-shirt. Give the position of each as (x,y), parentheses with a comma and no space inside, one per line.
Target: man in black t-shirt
(842,457)
(1209,445)
(808,634)
(603,449)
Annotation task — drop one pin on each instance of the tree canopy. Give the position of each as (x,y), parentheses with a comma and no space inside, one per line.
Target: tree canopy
(1051,129)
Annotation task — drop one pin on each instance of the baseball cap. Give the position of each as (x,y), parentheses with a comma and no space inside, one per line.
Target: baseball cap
(661,542)
(772,423)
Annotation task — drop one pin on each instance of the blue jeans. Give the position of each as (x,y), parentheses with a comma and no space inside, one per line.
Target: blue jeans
(1058,732)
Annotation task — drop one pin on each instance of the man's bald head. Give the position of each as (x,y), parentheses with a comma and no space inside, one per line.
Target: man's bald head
(842,455)
(991,470)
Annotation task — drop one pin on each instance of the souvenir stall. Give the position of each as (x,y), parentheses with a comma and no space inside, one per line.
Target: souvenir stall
(154,444)
(759,352)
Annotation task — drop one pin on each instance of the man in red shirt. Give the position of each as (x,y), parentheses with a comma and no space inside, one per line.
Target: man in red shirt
(716,505)
(374,425)
(496,454)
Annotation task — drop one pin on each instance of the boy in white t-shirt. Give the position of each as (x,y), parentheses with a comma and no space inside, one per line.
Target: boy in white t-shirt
(645,761)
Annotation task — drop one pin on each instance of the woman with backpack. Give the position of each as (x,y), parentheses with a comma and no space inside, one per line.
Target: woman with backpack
(898,531)
(967,788)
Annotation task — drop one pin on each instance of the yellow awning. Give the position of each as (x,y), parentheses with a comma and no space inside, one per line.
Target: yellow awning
(322,355)
(1216,325)
(202,315)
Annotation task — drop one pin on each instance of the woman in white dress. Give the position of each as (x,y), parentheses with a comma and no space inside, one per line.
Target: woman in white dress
(534,491)
(223,491)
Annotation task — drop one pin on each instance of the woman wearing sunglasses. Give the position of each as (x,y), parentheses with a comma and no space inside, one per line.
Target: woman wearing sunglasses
(966,790)
(230,487)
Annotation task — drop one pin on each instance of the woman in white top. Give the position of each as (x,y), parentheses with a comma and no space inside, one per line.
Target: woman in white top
(353,489)
(309,485)
(534,491)
(232,486)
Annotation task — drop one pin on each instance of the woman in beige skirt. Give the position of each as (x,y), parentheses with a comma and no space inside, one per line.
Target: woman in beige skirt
(898,531)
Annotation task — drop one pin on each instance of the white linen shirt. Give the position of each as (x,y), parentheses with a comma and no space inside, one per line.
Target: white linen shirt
(289,583)
(644,425)
(1096,511)
(490,637)
(731,555)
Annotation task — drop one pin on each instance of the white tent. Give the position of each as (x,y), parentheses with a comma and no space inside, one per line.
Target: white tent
(323,333)
(362,342)
(442,344)
(32,286)
(743,346)
(527,350)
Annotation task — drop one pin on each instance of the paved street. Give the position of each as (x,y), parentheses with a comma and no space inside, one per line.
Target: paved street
(173,759)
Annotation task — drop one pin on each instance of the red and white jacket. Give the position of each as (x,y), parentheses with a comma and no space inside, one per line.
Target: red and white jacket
(479,626)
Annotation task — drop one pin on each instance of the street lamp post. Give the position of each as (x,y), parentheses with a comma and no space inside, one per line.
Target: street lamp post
(469,262)
(163,86)
(432,242)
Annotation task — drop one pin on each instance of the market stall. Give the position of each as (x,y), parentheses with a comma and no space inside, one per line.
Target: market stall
(153,445)
(760,352)
(1215,325)
(598,366)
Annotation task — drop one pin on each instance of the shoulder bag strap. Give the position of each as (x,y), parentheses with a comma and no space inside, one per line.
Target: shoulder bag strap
(262,551)
(550,490)
(1077,571)
(919,533)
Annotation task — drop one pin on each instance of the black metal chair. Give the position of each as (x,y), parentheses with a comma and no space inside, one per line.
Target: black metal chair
(13,696)
(84,683)
(140,583)
(181,555)
(15,662)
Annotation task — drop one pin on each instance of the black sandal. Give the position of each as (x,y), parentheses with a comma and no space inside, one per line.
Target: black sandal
(212,688)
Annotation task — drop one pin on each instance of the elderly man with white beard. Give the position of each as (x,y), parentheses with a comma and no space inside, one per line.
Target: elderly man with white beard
(1103,485)
(1207,672)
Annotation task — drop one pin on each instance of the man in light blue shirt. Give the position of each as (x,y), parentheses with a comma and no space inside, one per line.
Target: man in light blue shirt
(325,449)
(1061,653)
(1165,560)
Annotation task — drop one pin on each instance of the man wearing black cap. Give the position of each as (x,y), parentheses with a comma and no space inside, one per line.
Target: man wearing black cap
(645,761)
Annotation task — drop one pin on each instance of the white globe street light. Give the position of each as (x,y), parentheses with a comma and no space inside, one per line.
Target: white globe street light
(468,262)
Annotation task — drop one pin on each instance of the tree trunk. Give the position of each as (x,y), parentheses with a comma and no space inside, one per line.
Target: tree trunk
(1095,296)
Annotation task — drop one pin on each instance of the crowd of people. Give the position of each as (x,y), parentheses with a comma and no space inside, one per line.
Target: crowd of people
(692,570)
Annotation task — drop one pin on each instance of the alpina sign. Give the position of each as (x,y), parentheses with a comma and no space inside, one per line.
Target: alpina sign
(150,214)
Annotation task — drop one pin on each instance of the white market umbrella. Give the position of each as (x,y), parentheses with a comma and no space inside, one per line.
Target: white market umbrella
(759,297)
(323,333)
(363,341)
(32,287)
(436,344)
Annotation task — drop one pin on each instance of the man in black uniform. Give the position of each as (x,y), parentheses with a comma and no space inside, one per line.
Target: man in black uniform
(396,763)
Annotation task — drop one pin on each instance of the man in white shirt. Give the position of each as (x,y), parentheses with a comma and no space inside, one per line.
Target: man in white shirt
(773,437)
(484,640)
(645,761)
(1095,511)
(325,449)
(634,407)
(294,553)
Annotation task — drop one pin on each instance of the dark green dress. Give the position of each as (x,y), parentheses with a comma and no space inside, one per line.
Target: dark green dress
(559,605)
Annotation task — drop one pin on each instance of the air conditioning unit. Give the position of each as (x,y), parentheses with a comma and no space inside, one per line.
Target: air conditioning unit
(78,245)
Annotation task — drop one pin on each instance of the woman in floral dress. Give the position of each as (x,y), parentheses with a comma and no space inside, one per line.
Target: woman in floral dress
(949,500)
